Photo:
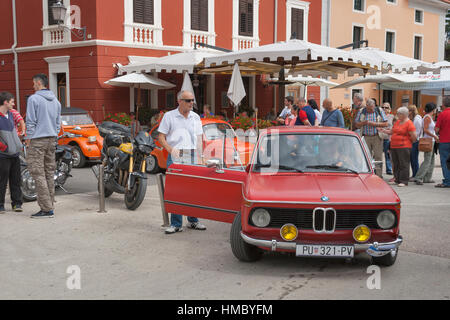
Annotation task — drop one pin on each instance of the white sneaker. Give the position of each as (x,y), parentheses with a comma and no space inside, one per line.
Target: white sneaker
(173,229)
(196,226)
(401,185)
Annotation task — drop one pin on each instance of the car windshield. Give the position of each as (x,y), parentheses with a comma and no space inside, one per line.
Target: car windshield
(76,119)
(214,131)
(311,153)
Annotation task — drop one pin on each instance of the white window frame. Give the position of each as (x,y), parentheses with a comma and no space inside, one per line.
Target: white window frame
(57,65)
(238,38)
(358,11)
(129,23)
(187,31)
(423,17)
(353,30)
(297,4)
(394,47)
(421,47)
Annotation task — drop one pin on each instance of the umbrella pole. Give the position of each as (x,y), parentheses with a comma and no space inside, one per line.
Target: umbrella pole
(379,94)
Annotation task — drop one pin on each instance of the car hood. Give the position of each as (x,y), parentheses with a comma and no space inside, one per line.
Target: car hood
(85,131)
(311,187)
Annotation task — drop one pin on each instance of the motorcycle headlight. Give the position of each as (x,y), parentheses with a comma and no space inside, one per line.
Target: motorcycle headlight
(261,218)
(386,219)
(145,149)
(92,139)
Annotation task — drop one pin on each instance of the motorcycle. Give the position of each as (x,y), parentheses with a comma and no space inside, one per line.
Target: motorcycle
(124,161)
(64,161)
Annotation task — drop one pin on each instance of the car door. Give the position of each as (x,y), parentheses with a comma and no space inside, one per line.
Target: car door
(199,191)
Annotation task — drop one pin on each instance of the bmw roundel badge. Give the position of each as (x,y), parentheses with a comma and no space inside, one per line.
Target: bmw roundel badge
(324,199)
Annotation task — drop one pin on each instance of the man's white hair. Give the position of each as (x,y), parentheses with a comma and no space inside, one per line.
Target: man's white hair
(358,96)
(371,102)
(180,94)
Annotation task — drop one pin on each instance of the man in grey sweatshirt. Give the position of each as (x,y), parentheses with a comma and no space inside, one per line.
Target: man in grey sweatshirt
(43,122)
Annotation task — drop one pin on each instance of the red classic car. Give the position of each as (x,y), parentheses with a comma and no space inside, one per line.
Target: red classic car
(214,132)
(311,191)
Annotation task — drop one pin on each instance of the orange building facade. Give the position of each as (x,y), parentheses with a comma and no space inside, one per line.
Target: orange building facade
(118,29)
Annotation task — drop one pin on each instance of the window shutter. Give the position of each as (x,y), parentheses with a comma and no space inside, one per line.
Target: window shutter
(199,15)
(246,18)
(297,23)
(143,11)
(51,21)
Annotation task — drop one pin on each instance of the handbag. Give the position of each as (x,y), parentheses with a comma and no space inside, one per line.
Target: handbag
(426,144)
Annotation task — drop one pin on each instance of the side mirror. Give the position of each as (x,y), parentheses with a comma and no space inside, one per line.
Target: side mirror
(77,128)
(215,163)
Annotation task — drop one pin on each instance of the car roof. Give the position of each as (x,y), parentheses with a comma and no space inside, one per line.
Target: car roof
(307,129)
(72,110)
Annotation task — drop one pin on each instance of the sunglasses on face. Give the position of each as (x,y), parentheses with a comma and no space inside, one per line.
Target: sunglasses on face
(188,100)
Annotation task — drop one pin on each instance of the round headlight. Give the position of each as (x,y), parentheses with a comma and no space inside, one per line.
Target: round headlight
(92,139)
(361,233)
(289,232)
(261,218)
(386,219)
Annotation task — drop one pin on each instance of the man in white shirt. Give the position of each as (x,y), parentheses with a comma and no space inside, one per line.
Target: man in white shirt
(286,112)
(180,133)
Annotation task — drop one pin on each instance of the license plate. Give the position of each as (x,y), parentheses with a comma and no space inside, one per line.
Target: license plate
(305,250)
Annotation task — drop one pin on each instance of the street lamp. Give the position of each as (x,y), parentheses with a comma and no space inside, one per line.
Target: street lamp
(59,12)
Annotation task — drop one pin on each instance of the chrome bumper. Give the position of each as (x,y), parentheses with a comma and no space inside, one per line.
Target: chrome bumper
(375,249)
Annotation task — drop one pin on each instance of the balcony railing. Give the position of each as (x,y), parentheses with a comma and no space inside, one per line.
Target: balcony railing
(190,37)
(54,35)
(241,43)
(143,34)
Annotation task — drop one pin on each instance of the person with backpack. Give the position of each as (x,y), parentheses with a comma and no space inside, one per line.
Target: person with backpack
(368,120)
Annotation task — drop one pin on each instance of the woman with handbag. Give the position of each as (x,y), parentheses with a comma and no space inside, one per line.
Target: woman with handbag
(403,134)
(426,144)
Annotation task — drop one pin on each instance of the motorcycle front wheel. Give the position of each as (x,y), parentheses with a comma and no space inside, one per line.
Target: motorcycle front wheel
(136,194)
(28,186)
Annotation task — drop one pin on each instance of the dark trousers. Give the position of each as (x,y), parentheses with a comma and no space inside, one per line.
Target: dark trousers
(414,157)
(10,170)
(400,163)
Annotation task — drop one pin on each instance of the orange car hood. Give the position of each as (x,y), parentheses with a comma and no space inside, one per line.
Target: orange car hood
(86,131)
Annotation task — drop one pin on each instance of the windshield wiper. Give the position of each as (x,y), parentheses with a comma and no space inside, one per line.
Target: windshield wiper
(281,166)
(332,167)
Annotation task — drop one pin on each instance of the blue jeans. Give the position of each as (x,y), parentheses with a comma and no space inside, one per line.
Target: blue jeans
(444,152)
(415,158)
(387,155)
(176,220)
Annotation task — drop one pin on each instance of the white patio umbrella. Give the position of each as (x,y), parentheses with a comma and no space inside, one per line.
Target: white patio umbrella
(301,56)
(395,62)
(178,62)
(236,90)
(378,79)
(308,81)
(422,82)
(141,81)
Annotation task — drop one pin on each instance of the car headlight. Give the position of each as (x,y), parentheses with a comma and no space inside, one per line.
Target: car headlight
(386,219)
(92,138)
(261,218)
(361,233)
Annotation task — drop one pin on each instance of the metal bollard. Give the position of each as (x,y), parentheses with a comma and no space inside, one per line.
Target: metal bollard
(160,182)
(101,189)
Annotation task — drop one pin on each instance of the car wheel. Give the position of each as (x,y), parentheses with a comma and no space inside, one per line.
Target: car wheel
(152,164)
(387,260)
(79,160)
(241,249)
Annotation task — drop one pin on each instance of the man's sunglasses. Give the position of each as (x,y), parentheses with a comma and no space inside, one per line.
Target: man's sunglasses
(188,100)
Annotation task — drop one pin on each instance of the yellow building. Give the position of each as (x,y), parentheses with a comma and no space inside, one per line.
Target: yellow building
(412,28)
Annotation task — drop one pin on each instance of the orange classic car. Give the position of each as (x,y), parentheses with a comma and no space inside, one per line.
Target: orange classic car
(219,139)
(86,140)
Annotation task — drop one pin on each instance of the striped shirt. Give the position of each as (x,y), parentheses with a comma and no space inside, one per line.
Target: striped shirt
(375,116)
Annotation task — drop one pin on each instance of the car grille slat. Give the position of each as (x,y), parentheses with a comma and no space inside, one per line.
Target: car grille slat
(303,218)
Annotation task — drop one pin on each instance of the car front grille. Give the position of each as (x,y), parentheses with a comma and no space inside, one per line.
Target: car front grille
(303,219)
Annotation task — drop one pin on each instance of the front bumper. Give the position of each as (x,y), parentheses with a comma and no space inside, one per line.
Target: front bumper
(374,249)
